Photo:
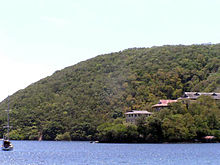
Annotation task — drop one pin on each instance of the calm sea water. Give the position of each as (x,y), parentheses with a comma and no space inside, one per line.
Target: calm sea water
(85,153)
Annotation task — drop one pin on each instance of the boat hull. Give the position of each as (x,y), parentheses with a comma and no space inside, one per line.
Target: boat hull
(10,148)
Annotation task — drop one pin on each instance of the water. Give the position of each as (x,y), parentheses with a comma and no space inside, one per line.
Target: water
(85,153)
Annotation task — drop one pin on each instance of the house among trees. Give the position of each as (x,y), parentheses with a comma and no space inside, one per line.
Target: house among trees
(132,116)
(163,104)
(195,95)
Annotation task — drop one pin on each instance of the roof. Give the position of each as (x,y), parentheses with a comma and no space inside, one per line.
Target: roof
(138,112)
(209,137)
(195,95)
(164,103)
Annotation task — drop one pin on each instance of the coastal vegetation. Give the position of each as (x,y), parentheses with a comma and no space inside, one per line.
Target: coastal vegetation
(180,122)
(87,101)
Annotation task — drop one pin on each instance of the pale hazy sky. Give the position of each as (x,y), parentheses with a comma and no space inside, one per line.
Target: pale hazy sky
(38,37)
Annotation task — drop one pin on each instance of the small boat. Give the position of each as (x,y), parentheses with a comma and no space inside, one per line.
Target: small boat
(7,145)
(94,141)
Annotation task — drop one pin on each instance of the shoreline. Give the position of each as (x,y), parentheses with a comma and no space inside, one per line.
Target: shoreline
(199,142)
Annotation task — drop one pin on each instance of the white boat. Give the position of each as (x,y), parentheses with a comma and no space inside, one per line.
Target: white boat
(7,145)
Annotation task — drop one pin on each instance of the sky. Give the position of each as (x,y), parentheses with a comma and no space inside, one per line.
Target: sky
(39,37)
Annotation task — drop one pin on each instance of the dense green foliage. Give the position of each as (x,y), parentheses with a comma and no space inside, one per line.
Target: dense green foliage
(182,122)
(75,102)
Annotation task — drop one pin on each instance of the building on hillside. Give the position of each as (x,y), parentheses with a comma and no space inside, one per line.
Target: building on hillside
(132,116)
(195,95)
(163,104)
(209,138)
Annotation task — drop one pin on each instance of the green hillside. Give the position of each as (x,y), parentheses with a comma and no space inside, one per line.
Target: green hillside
(75,101)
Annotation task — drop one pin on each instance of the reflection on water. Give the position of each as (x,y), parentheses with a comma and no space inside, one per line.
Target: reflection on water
(85,153)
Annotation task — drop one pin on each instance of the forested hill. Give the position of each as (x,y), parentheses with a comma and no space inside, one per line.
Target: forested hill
(77,99)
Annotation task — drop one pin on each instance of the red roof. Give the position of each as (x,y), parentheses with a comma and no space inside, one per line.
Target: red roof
(164,103)
(209,137)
